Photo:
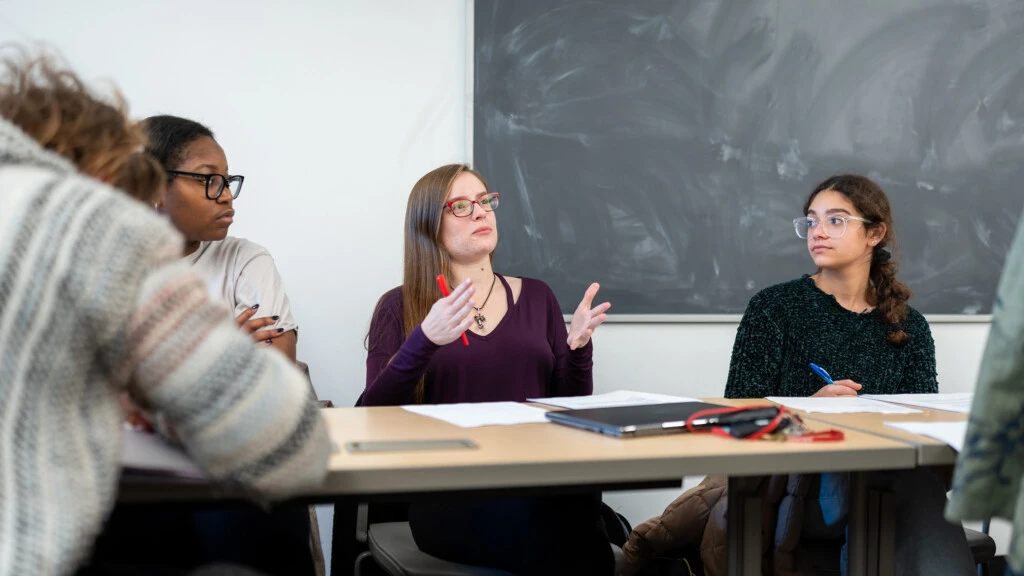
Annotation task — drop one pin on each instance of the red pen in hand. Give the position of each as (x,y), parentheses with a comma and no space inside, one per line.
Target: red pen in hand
(443,285)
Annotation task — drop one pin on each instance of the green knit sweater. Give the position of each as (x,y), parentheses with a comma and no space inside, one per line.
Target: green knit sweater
(788,326)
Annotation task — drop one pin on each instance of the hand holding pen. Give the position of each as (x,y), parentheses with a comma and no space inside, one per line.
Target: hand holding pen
(834,388)
(450,316)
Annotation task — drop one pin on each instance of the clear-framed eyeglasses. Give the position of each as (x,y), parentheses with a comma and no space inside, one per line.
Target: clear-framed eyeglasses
(462,208)
(834,225)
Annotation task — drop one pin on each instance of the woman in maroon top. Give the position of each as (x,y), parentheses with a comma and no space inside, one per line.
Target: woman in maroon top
(518,348)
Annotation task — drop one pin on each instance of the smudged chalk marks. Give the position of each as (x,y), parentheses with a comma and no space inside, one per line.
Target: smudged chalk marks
(662,147)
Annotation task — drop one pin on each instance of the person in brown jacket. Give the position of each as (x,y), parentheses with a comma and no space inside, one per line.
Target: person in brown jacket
(697,520)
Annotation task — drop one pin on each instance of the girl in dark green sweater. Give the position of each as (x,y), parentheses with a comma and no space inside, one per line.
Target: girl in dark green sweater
(851,317)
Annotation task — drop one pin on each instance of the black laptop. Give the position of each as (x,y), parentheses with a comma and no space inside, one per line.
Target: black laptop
(627,421)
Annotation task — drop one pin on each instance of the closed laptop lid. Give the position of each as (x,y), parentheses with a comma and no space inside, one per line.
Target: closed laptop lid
(627,418)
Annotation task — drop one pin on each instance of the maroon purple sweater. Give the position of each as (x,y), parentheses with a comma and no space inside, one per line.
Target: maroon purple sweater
(525,356)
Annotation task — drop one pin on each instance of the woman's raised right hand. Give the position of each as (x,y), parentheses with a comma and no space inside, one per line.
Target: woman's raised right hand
(449,317)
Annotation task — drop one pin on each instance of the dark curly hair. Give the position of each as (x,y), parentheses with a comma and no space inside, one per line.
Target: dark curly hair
(887,294)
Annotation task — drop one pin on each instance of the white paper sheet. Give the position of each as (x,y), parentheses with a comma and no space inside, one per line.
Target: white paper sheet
(842,405)
(471,415)
(952,433)
(958,402)
(611,399)
(149,453)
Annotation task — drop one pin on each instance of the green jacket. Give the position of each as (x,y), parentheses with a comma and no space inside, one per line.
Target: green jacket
(987,482)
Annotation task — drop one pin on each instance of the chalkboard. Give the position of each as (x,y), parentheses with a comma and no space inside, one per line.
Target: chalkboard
(662,148)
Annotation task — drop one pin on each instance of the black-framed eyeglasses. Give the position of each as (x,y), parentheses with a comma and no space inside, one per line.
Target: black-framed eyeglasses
(215,183)
(462,208)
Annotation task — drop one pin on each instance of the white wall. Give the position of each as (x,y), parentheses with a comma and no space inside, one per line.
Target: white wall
(332,110)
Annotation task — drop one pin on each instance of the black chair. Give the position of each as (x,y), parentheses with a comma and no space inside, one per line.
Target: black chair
(392,548)
(983,547)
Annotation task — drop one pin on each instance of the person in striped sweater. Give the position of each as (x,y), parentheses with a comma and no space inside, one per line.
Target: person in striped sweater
(94,301)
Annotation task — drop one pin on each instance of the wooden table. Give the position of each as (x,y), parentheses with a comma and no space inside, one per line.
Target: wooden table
(550,458)
(930,452)
(554,458)
(548,455)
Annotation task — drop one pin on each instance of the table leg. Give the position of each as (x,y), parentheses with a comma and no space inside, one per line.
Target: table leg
(887,534)
(743,521)
(857,525)
(344,547)
(871,529)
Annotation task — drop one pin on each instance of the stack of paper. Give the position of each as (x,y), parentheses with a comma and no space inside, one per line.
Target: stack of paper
(611,399)
(952,433)
(149,453)
(841,405)
(958,402)
(471,415)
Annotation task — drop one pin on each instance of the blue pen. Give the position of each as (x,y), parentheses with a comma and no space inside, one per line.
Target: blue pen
(821,373)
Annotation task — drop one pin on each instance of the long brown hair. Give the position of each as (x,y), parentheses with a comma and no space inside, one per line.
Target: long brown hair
(887,294)
(425,255)
(47,101)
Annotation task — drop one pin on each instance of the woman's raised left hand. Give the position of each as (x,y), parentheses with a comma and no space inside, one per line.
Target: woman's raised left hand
(586,319)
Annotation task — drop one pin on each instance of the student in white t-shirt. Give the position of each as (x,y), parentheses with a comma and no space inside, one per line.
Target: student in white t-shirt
(200,202)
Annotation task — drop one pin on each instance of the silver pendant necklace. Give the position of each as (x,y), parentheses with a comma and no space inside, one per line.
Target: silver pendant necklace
(480,318)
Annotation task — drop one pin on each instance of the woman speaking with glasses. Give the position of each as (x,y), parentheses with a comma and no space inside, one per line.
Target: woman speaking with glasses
(200,203)
(517,348)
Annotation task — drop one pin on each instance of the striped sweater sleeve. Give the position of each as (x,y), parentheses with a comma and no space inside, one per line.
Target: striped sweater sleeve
(91,301)
(243,412)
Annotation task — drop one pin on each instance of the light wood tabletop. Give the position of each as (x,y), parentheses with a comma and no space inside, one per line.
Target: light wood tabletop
(930,452)
(544,455)
(553,457)
(532,455)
